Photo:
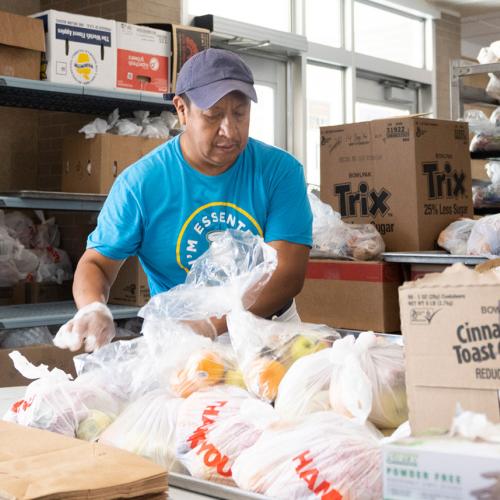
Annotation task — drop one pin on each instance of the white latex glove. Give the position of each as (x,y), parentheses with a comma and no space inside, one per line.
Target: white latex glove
(92,324)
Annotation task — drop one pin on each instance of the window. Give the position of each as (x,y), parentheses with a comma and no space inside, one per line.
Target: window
(262,115)
(274,14)
(324,22)
(325,106)
(384,33)
(366,111)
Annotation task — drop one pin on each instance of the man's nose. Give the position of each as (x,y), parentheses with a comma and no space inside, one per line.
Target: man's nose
(228,127)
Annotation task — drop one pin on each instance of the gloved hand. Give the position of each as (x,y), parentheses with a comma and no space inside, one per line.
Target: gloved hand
(92,324)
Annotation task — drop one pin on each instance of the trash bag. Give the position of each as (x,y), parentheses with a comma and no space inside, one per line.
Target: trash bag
(333,238)
(266,349)
(56,403)
(147,427)
(21,337)
(454,237)
(322,455)
(214,426)
(485,237)
(368,380)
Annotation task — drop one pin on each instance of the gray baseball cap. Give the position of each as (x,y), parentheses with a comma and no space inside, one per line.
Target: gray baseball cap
(211,74)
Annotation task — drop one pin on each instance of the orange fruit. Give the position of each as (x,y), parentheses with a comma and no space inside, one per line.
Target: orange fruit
(266,375)
(202,369)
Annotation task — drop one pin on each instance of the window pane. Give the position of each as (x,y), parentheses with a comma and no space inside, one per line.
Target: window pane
(324,21)
(366,111)
(388,35)
(274,14)
(262,115)
(324,107)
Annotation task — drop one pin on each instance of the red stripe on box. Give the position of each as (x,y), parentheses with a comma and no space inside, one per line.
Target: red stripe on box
(372,272)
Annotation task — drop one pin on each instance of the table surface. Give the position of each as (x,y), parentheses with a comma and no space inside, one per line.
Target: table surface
(10,394)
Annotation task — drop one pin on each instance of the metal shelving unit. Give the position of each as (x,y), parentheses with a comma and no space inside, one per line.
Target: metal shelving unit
(51,313)
(52,200)
(42,95)
(437,257)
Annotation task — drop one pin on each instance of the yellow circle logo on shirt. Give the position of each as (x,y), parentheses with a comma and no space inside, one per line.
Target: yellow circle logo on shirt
(203,225)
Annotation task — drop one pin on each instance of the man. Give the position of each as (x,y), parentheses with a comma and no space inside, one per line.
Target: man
(167,207)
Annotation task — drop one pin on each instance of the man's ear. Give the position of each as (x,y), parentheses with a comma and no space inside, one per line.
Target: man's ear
(181,109)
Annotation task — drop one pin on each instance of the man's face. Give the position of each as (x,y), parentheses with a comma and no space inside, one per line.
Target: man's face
(213,138)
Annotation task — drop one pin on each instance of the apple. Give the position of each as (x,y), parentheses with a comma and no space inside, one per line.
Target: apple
(302,346)
(234,377)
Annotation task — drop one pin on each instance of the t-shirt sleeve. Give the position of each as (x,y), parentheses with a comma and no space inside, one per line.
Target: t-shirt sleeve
(118,234)
(289,216)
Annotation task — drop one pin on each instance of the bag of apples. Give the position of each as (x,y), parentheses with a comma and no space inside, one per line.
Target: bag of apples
(266,349)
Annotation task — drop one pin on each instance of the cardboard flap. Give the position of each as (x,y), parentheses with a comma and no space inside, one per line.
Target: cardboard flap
(22,31)
(36,463)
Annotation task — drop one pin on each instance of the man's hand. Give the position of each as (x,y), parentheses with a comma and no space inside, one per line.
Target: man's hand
(92,324)
(491,492)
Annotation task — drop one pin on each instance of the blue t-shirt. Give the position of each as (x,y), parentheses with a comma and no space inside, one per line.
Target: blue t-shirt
(166,212)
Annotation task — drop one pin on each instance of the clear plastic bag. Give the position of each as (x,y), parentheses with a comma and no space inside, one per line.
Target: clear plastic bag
(147,428)
(368,380)
(266,349)
(54,402)
(21,226)
(322,455)
(21,337)
(213,429)
(454,237)
(485,237)
(16,262)
(47,233)
(334,238)
(493,170)
(54,266)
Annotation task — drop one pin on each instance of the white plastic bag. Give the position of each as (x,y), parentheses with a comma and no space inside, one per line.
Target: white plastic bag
(485,237)
(54,266)
(493,171)
(47,233)
(54,402)
(334,238)
(368,380)
(147,428)
(266,349)
(214,427)
(454,237)
(322,455)
(22,227)
(21,337)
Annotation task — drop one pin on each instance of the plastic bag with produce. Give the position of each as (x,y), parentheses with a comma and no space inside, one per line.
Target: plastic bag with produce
(322,455)
(22,227)
(55,403)
(147,427)
(335,239)
(485,237)
(266,349)
(455,236)
(368,380)
(215,426)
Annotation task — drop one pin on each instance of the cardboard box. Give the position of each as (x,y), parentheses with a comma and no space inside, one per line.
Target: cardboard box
(409,176)
(92,165)
(22,42)
(11,295)
(451,328)
(351,295)
(47,354)
(439,468)
(131,286)
(80,50)
(143,58)
(48,292)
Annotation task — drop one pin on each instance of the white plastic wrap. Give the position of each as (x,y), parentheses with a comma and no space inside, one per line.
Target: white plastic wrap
(147,428)
(214,427)
(368,380)
(334,238)
(266,349)
(485,237)
(322,455)
(454,237)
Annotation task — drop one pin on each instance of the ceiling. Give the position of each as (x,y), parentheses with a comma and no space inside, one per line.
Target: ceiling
(469,7)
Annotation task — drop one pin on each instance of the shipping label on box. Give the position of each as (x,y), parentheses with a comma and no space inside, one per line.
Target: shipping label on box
(440,468)
(409,176)
(80,50)
(143,58)
(451,328)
